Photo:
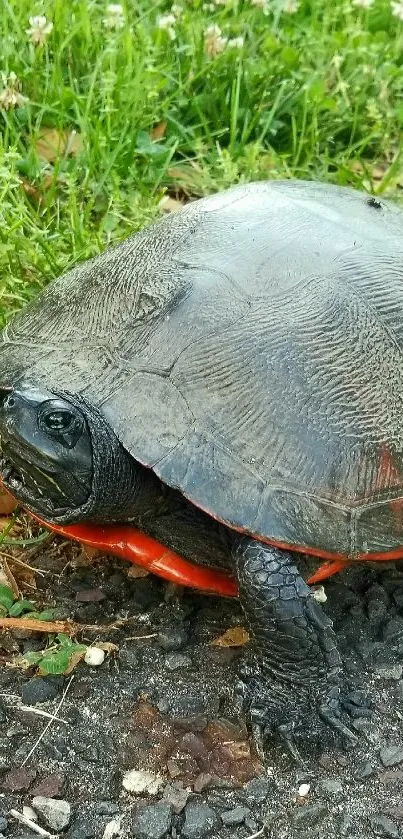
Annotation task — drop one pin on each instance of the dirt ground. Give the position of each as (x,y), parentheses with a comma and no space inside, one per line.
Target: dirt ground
(162,703)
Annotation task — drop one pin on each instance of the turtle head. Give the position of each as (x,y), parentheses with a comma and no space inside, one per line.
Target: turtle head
(63,462)
(46,450)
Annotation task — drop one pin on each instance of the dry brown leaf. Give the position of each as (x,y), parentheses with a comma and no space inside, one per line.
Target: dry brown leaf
(75,659)
(52,143)
(158,132)
(90,552)
(170,205)
(7,505)
(106,646)
(136,572)
(234,637)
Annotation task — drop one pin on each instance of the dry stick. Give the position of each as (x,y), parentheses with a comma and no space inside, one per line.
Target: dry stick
(33,825)
(32,710)
(66,627)
(47,726)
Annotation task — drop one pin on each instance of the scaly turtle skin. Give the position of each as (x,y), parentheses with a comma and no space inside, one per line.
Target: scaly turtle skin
(228,381)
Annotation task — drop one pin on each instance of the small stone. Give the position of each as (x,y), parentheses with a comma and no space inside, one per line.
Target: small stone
(303,790)
(364,770)
(391,776)
(50,787)
(332,787)
(393,631)
(18,780)
(394,672)
(176,795)
(3,824)
(391,755)
(106,808)
(54,811)
(232,818)
(153,821)
(251,825)
(177,661)
(112,829)
(38,690)
(29,813)
(383,826)
(203,781)
(257,791)
(173,638)
(90,595)
(309,815)
(138,782)
(94,657)
(200,820)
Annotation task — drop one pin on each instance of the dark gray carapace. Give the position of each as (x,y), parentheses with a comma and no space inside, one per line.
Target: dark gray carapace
(248,349)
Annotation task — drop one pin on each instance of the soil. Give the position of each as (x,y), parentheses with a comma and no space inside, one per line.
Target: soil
(162,702)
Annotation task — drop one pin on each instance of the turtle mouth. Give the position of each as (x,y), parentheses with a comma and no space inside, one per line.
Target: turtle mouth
(27,480)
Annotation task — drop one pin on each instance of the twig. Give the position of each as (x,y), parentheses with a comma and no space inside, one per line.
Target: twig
(141,637)
(11,578)
(32,710)
(47,726)
(33,825)
(259,833)
(66,627)
(18,561)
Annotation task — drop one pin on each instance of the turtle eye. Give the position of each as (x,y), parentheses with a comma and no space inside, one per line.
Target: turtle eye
(58,420)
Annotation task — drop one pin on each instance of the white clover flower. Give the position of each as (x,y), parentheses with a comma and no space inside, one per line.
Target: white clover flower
(39,29)
(363,4)
(115,17)
(397,9)
(167,22)
(214,41)
(176,10)
(10,95)
(290,6)
(337,60)
(261,4)
(208,7)
(237,42)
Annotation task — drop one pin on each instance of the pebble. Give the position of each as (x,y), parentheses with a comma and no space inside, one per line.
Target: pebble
(394,672)
(3,824)
(38,690)
(232,818)
(308,816)
(256,791)
(138,782)
(332,787)
(364,770)
(18,780)
(54,811)
(153,821)
(176,795)
(94,657)
(383,826)
(303,790)
(177,661)
(50,787)
(173,638)
(393,631)
(90,595)
(106,808)
(391,755)
(200,820)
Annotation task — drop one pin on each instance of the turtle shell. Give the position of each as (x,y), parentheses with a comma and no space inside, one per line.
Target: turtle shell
(249,350)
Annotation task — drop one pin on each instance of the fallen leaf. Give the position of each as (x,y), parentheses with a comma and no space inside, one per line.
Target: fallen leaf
(234,637)
(170,205)
(158,132)
(75,659)
(89,551)
(7,505)
(53,144)
(106,646)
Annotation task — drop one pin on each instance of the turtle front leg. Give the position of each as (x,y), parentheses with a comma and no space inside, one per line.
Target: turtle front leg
(292,678)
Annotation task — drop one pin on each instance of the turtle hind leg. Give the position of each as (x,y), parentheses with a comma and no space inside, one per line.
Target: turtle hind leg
(292,679)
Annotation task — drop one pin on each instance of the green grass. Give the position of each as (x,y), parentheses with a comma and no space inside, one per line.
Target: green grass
(314,94)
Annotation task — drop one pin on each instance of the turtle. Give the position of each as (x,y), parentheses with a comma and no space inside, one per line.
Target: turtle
(217,396)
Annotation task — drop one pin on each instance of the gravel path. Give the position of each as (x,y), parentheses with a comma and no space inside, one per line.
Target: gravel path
(150,746)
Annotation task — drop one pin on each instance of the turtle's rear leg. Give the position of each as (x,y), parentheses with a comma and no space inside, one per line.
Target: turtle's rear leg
(292,679)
